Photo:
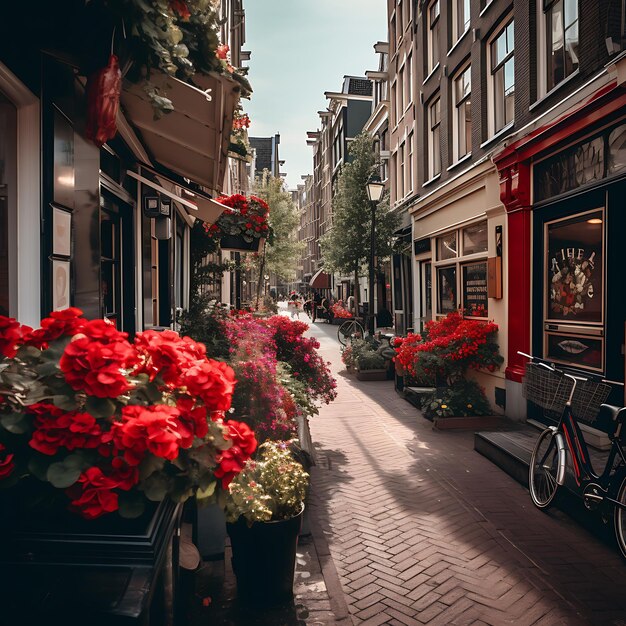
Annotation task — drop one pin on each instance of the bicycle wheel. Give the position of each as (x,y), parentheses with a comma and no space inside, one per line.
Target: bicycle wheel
(543,470)
(619,514)
(348,331)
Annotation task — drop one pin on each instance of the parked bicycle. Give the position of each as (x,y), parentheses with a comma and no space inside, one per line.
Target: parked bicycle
(348,331)
(577,397)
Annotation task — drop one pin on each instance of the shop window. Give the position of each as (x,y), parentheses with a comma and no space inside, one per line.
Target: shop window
(8,196)
(447,246)
(561,32)
(446,290)
(433,35)
(475,238)
(470,266)
(502,78)
(574,290)
(463,113)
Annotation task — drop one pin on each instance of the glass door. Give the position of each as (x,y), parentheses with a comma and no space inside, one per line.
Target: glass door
(427,293)
(8,181)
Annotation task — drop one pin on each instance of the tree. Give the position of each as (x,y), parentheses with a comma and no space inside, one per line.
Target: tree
(346,246)
(282,250)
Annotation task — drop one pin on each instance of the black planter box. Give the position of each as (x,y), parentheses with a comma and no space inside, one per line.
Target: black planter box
(237,242)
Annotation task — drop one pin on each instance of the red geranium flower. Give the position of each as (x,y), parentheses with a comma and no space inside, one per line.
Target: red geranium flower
(212,381)
(11,336)
(6,463)
(93,494)
(65,323)
(233,460)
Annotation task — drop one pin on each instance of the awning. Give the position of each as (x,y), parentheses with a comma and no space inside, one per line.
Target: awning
(320,280)
(192,140)
(197,205)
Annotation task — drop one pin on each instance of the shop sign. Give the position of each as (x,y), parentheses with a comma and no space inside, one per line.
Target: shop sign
(421,245)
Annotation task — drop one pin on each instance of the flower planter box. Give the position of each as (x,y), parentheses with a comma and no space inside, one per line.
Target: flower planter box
(473,422)
(238,243)
(379,374)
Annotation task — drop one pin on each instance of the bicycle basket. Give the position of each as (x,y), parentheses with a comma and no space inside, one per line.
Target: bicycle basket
(551,390)
(546,388)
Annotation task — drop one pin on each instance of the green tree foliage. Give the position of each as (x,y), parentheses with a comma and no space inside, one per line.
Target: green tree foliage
(282,251)
(346,247)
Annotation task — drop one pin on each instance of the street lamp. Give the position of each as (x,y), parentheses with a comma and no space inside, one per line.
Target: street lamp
(267,282)
(374,192)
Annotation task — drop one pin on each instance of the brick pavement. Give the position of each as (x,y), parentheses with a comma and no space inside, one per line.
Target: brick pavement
(423,530)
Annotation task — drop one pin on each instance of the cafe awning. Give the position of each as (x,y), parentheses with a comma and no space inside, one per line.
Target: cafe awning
(320,280)
(193,139)
(196,205)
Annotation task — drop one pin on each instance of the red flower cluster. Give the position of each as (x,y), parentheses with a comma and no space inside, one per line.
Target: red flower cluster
(96,359)
(180,8)
(241,121)
(340,311)
(163,398)
(55,428)
(246,216)
(233,460)
(222,52)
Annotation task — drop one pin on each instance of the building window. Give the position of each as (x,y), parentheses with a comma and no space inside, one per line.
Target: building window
(410,165)
(394,107)
(392,34)
(433,35)
(401,171)
(463,114)
(434,138)
(409,80)
(401,92)
(399,15)
(502,78)
(561,27)
(461,17)
(463,272)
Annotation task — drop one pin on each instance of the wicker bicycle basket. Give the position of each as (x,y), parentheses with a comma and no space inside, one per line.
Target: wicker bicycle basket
(551,391)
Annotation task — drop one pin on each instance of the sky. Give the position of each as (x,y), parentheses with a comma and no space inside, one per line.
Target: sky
(300,49)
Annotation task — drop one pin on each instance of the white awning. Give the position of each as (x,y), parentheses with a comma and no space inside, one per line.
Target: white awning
(192,140)
(199,206)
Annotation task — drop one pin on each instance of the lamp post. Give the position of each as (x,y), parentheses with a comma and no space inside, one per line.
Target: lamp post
(374,192)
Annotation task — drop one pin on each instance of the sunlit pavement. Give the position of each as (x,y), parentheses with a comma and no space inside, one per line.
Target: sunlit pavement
(423,530)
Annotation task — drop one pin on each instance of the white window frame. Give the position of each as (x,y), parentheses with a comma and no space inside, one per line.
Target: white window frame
(456,5)
(24,244)
(432,26)
(431,132)
(401,170)
(491,111)
(456,112)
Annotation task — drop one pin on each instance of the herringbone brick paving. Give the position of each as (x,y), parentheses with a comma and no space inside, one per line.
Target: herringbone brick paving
(423,530)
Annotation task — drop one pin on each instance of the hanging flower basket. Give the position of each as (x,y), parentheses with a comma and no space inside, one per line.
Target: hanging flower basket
(243,225)
(239,244)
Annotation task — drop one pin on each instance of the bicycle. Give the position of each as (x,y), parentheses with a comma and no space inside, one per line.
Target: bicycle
(349,330)
(569,395)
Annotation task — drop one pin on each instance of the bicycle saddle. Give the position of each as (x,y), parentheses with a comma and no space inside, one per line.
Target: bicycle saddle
(615,414)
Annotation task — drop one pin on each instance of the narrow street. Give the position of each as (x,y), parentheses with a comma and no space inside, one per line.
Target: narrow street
(424,530)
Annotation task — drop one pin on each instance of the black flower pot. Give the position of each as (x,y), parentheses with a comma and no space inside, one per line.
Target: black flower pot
(237,242)
(264,559)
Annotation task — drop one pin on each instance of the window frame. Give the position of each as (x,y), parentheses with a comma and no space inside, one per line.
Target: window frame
(456,30)
(493,129)
(456,114)
(433,36)
(433,131)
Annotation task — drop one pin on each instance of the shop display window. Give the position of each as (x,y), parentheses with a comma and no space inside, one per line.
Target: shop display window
(474,289)
(446,289)
(447,247)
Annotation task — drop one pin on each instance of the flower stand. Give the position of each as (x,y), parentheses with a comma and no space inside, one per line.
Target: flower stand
(264,559)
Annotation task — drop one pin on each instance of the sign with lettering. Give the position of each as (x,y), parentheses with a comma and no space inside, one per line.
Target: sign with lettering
(474,288)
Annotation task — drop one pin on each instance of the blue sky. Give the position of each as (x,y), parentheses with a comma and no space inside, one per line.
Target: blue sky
(300,49)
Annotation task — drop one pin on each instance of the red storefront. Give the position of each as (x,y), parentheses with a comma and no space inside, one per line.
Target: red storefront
(564,189)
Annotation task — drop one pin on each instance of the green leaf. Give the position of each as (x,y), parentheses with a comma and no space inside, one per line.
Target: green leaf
(67,403)
(149,465)
(62,476)
(156,487)
(152,393)
(131,505)
(38,466)
(16,423)
(100,407)
(201,494)
(47,368)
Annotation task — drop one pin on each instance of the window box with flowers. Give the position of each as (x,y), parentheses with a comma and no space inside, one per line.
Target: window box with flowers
(441,357)
(244,226)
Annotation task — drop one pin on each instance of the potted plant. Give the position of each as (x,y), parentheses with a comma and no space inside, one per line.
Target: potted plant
(243,226)
(264,507)
(371,366)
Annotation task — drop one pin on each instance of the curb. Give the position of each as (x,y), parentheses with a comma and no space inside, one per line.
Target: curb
(331,578)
